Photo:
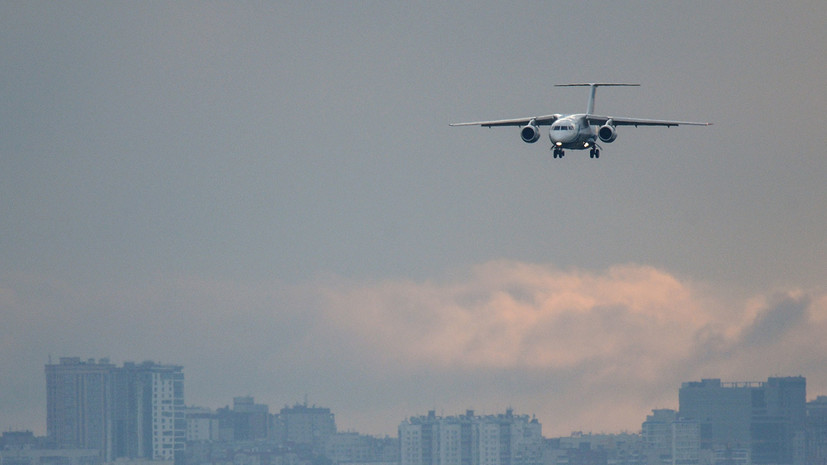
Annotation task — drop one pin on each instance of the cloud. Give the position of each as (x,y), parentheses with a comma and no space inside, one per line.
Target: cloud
(507,314)
(581,349)
(783,315)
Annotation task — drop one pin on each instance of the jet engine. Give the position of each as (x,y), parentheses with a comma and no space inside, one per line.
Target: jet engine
(530,133)
(607,133)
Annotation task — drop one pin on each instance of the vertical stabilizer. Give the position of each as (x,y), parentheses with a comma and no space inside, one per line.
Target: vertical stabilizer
(590,105)
(593,89)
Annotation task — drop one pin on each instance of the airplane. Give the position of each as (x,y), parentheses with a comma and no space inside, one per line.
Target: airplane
(574,132)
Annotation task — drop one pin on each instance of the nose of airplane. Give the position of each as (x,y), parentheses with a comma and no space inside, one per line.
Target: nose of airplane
(563,132)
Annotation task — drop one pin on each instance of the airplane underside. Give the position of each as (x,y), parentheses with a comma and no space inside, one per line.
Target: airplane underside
(559,152)
(559,149)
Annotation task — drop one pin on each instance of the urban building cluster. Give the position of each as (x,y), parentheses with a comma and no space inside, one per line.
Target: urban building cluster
(133,411)
(99,413)
(741,423)
(471,440)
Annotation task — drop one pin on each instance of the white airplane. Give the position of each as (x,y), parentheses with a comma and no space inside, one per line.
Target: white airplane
(575,131)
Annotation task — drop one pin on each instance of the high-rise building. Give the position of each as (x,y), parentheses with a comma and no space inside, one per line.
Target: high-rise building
(763,417)
(471,440)
(722,409)
(136,411)
(152,401)
(79,400)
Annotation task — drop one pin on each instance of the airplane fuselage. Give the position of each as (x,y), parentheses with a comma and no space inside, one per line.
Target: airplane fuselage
(572,132)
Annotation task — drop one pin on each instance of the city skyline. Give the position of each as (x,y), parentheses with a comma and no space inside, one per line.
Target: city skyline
(697,341)
(270,195)
(138,411)
(105,372)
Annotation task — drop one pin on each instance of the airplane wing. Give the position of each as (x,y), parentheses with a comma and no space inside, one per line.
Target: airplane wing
(620,121)
(538,120)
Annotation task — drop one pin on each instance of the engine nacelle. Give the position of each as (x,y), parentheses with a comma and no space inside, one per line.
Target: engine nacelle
(530,133)
(607,133)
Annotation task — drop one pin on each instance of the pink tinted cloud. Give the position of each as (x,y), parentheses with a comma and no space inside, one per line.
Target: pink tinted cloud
(506,314)
(610,345)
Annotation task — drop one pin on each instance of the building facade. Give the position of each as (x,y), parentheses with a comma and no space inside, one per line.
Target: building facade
(686,442)
(355,448)
(79,405)
(303,425)
(471,440)
(762,417)
(135,411)
(246,421)
(657,430)
(202,424)
(816,432)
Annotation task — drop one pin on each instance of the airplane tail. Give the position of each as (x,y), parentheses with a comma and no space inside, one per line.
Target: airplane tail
(592,88)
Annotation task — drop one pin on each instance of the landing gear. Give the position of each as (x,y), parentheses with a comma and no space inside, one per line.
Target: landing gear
(559,153)
(594,153)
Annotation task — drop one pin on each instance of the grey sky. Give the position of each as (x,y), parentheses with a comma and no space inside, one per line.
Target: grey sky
(236,188)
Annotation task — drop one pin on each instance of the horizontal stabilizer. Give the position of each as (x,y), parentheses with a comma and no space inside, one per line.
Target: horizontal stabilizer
(596,84)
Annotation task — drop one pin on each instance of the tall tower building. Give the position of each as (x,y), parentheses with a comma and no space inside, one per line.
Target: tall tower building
(152,411)
(79,402)
(724,410)
(135,412)
(764,417)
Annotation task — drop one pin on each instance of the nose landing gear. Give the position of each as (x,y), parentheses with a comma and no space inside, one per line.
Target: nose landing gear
(594,153)
(559,153)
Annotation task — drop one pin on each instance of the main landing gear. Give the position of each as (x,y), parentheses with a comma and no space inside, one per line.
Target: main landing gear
(557,152)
